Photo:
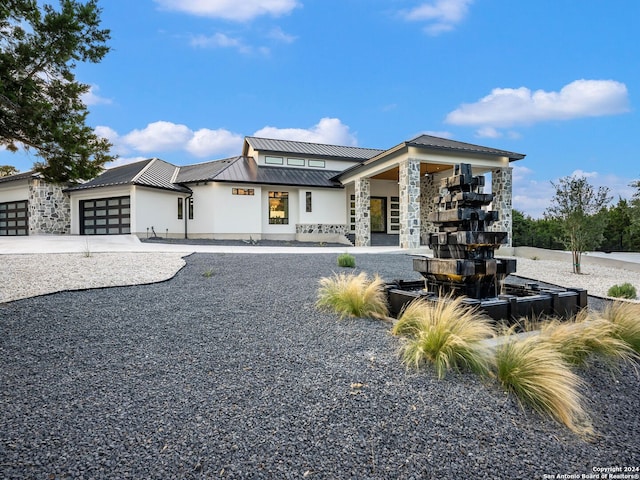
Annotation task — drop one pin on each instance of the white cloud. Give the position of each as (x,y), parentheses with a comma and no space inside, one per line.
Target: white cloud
(506,107)
(92,97)
(220,40)
(162,136)
(235,10)
(280,36)
(159,136)
(207,142)
(441,15)
(328,130)
(488,132)
(582,173)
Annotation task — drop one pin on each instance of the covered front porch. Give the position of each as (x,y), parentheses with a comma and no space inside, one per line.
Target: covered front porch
(393,193)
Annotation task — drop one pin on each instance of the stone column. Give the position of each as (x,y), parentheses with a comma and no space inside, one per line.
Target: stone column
(429,190)
(409,203)
(363,212)
(502,189)
(49,209)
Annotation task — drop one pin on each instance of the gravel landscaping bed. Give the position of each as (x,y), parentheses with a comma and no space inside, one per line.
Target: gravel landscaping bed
(235,374)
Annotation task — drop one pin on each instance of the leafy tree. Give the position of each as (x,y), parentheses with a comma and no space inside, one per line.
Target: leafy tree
(634,213)
(40,104)
(617,230)
(578,206)
(6,170)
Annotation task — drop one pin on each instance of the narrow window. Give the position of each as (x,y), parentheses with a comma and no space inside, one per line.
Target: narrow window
(190,208)
(308,202)
(296,162)
(316,163)
(279,208)
(242,191)
(180,204)
(273,160)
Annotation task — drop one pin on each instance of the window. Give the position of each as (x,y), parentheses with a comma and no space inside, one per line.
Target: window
(190,208)
(316,163)
(180,205)
(242,191)
(296,162)
(278,208)
(308,202)
(273,160)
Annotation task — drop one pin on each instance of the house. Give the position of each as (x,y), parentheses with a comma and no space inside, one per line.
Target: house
(276,189)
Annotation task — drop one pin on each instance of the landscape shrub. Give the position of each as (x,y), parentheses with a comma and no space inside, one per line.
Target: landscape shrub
(625,318)
(585,336)
(351,295)
(346,260)
(446,334)
(536,372)
(625,290)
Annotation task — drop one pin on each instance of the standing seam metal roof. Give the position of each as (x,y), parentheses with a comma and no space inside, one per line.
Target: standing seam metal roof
(308,148)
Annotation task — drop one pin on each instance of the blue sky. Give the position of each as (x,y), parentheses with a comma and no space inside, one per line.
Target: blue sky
(557,80)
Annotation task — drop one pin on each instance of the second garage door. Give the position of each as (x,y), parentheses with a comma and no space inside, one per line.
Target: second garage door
(105,216)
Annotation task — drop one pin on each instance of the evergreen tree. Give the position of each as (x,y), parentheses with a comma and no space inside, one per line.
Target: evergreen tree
(40,99)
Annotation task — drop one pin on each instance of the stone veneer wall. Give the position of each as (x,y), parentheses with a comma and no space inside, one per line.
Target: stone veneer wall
(502,188)
(409,203)
(49,208)
(321,229)
(429,190)
(363,212)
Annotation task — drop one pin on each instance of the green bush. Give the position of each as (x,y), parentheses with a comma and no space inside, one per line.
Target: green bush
(626,290)
(346,260)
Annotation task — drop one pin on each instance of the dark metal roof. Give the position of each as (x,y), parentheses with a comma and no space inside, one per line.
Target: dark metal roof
(245,170)
(315,149)
(154,173)
(20,176)
(446,144)
(202,172)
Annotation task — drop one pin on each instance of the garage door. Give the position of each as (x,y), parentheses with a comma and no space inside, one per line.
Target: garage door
(105,216)
(14,218)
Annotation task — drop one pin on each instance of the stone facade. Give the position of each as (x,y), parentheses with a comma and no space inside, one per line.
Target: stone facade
(363,212)
(429,190)
(409,203)
(321,229)
(502,188)
(49,209)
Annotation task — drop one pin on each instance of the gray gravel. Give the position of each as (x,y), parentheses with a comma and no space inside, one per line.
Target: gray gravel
(236,375)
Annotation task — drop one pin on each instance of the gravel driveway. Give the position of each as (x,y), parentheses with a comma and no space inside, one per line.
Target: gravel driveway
(236,375)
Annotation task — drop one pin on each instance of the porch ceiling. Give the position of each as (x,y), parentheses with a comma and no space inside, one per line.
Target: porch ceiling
(425,168)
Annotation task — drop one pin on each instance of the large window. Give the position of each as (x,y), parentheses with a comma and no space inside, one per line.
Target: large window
(279,208)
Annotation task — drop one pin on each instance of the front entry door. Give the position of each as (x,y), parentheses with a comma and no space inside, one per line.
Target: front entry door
(378,215)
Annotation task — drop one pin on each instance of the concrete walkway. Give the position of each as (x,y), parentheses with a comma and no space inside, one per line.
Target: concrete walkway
(131,243)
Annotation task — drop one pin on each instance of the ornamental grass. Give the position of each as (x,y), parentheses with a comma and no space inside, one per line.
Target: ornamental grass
(585,337)
(537,373)
(446,334)
(625,318)
(351,295)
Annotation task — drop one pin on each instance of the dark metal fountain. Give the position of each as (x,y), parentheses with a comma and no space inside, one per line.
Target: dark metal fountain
(464,264)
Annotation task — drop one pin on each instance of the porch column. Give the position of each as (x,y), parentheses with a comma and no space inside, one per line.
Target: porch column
(409,203)
(502,189)
(363,212)
(429,189)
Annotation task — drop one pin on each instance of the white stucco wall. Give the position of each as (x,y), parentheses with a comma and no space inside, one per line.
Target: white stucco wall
(12,191)
(327,206)
(158,209)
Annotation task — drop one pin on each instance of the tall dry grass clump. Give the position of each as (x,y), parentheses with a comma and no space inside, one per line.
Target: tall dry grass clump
(625,318)
(584,337)
(446,334)
(351,295)
(536,372)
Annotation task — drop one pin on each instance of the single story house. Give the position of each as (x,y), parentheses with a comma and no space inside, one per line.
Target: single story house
(276,189)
